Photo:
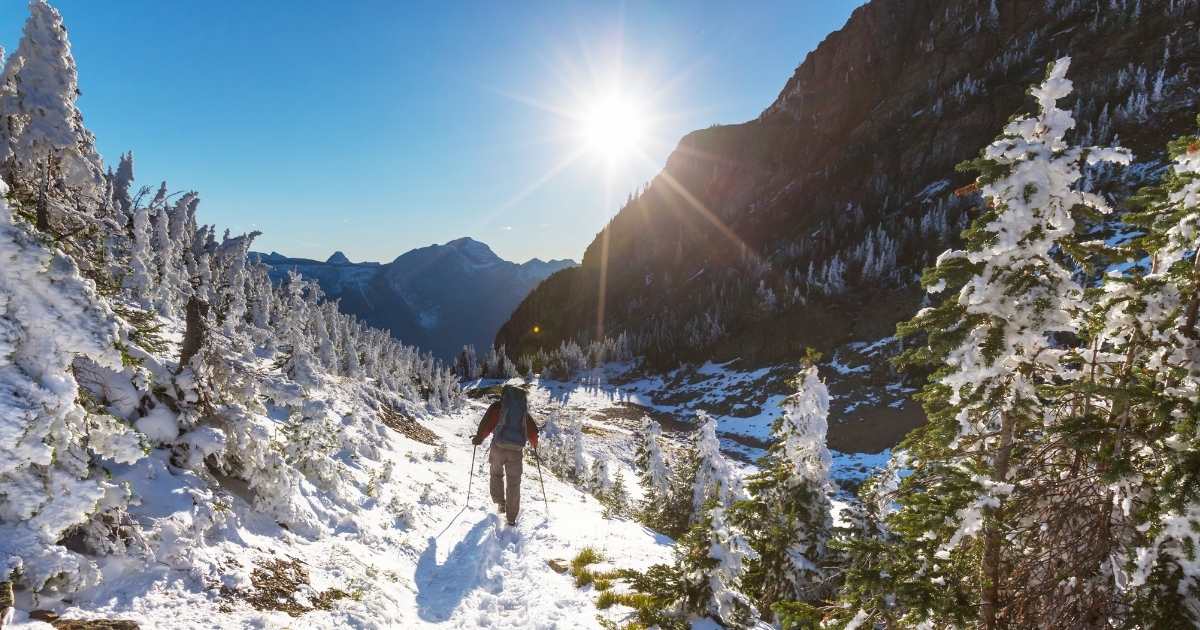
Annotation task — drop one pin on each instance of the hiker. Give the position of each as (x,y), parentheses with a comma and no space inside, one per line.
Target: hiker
(509,418)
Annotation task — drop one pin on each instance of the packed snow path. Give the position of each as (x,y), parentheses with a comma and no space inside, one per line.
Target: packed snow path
(482,573)
(439,566)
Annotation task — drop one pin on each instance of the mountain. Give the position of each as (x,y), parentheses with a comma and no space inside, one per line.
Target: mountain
(439,298)
(808,226)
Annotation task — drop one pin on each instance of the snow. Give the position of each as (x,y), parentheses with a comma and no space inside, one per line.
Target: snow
(446,567)
(159,425)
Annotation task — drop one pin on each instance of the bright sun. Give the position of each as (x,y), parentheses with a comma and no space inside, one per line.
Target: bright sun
(613,128)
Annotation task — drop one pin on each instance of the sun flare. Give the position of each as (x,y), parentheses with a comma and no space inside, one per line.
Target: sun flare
(613,128)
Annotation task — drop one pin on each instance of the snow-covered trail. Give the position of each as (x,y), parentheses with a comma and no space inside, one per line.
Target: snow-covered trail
(480,572)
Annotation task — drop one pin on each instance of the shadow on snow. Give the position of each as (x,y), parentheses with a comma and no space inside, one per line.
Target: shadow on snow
(440,588)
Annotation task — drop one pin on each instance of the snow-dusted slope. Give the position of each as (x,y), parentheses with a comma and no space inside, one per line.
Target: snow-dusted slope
(410,558)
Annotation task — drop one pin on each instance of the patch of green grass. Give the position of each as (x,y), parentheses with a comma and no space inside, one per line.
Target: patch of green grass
(579,566)
(650,610)
(586,556)
(583,577)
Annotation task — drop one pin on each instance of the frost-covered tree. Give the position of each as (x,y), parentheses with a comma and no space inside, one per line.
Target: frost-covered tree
(712,479)
(122,183)
(41,124)
(710,560)
(51,320)
(712,551)
(653,475)
(964,531)
(787,517)
(140,280)
(468,363)
(1139,387)
(560,444)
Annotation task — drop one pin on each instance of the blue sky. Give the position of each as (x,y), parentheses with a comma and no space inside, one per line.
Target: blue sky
(377,126)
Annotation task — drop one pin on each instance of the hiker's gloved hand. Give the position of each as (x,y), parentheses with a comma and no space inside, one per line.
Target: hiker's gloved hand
(477,440)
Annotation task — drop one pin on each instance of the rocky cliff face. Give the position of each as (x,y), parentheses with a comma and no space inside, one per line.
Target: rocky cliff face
(438,298)
(809,225)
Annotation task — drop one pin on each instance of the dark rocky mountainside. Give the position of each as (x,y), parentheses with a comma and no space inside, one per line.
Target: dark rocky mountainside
(438,298)
(809,225)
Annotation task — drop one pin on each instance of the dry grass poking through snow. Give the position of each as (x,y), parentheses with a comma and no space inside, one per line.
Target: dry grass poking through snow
(406,426)
(281,585)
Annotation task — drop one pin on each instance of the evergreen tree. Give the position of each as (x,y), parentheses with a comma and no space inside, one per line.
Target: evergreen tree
(53,326)
(701,476)
(141,279)
(653,475)
(977,521)
(787,518)
(709,562)
(616,498)
(710,474)
(730,550)
(40,123)
(1140,393)
(122,182)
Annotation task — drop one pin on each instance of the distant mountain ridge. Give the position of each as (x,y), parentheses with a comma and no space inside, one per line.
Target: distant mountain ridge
(439,297)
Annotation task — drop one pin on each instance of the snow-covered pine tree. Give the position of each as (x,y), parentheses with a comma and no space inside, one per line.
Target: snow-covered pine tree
(325,343)
(41,124)
(140,281)
(653,474)
(969,522)
(467,363)
(1141,380)
(561,446)
(710,555)
(599,477)
(50,320)
(300,364)
(712,550)
(701,475)
(122,183)
(712,478)
(710,562)
(787,517)
(615,497)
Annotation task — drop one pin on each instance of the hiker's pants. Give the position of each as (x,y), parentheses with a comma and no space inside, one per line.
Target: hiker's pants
(506,479)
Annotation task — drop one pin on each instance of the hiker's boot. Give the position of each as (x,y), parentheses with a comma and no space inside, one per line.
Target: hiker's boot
(500,509)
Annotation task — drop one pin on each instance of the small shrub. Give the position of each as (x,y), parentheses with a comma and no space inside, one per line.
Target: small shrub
(579,566)
(606,600)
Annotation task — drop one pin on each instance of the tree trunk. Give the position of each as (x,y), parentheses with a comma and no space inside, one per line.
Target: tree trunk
(193,336)
(43,202)
(990,600)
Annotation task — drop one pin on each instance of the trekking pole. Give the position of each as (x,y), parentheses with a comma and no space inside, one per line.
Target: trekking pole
(541,480)
(470,479)
(471,476)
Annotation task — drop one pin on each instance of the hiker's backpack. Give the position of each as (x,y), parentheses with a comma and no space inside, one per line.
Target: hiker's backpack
(510,431)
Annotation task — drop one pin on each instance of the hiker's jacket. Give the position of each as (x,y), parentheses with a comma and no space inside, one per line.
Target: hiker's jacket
(492,418)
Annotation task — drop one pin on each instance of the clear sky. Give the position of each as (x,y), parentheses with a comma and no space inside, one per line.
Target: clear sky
(377,126)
